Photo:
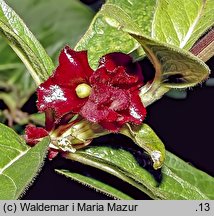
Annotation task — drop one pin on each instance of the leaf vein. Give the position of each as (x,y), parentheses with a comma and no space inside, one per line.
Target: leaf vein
(13,161)
(10,147)
(192,27)
(12,182)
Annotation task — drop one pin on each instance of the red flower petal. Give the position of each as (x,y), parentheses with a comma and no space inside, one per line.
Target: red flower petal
(110,97)
(52,153)
(135,113)
(58,92)
(34,134)
(73,68)
(112,108)
(49,119)
(61,99)
(111,126)
(113,60)
(96,113)
(136,109)
(120,70)
(103,103)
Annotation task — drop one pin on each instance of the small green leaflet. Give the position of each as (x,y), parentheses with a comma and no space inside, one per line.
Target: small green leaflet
(145,137)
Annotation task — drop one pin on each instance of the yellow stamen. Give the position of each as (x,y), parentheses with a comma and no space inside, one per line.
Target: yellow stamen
(83,90)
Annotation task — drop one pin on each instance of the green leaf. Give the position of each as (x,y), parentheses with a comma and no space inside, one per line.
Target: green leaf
(119,163)
(180,22)
(170,61)
(141,12)
(95,184)
(189,178)
(102,38)
(175,68)
(19,163)
(17,85)
(145,137)
(37,118)
(23,42)
(179,179)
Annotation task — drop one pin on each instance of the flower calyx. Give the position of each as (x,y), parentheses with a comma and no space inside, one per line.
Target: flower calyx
(66,138)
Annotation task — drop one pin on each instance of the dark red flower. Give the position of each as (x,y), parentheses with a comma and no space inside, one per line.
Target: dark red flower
(108,96)
(34,134)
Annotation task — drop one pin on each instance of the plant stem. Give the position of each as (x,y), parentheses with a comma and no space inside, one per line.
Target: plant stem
(204,48)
